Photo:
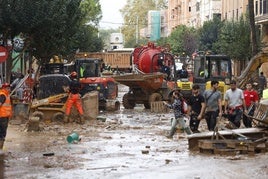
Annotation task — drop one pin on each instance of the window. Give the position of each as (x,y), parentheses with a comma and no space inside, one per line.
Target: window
(256,8)
(198,6)
(264,6)
(261,7)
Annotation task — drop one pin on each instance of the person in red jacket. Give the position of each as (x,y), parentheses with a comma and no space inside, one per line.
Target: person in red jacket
(251,99)
(5,111)
(74,99)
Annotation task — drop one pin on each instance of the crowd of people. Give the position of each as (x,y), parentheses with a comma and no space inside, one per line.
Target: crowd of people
(237,106)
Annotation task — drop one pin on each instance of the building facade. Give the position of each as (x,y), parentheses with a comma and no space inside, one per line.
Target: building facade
(192,13)
(233,10)
(261,18)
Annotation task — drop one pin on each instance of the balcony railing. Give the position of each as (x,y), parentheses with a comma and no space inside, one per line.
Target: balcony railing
(261,19)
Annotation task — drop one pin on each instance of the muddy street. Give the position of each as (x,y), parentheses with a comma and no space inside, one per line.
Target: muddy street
(129,144)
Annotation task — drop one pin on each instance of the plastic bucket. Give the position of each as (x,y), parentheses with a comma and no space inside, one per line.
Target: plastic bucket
(72,137)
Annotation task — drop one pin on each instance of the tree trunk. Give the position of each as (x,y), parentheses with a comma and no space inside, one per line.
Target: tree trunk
(252,27)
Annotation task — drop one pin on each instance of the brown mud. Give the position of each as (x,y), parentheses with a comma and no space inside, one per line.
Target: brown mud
(129,144)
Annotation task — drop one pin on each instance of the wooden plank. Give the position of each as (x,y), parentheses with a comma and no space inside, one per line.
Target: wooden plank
(249,132)
(227,147)
(119,60)
(225,151)
(158,107)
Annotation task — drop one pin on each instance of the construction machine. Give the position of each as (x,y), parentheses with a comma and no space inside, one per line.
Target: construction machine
(208,67)
(52,108)
(154,78)
(91,79)
(251,72)
(54,77)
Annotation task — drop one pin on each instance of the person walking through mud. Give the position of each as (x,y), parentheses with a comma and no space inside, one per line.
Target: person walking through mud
(5,111)
(262,83)
(213,105)
(74,99)
(196,108)
(177,107)
(251,99)
(234,104)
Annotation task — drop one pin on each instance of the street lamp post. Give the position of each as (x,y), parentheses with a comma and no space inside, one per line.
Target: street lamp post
(137,29)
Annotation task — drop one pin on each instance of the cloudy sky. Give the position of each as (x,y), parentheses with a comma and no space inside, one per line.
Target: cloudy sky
(110,11)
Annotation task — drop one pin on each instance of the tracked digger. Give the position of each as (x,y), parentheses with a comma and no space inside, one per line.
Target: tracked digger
(251,71)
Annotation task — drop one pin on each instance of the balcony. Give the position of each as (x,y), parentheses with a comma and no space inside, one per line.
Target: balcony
(261,19)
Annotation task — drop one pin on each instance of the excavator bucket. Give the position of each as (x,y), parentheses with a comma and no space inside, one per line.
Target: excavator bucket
(51,99)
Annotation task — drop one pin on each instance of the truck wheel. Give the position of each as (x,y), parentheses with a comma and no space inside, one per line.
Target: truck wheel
(128,104)
(155,97)
(38,114)
(57,117)
(117,106)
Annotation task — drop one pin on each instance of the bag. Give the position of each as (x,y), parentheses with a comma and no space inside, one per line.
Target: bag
(184,107)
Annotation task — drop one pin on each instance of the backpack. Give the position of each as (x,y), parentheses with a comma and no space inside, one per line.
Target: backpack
(184,106)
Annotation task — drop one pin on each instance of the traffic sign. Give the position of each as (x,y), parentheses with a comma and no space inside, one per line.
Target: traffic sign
(3,54)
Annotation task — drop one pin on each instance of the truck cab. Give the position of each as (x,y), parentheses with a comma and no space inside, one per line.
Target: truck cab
(89,72)
(212,67)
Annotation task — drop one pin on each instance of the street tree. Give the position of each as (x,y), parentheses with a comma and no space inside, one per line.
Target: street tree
(183,40)
(234,39)
(252,27)
(135,15)
(49,27)
(209,34)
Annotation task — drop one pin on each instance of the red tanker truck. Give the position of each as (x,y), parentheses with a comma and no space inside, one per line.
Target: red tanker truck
(153,78)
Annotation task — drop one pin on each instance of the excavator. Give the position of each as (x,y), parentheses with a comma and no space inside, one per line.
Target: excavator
(251,71)
(208,67)
(91,79)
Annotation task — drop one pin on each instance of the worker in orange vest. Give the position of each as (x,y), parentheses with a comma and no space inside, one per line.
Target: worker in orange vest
(5,111)
(74,99)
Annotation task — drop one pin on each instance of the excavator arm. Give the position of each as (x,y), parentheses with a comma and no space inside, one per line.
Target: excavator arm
(254,63)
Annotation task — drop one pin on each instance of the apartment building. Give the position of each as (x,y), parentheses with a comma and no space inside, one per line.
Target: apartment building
(191,13)
(261,18)
(194,13)
(233,9)
(157,25)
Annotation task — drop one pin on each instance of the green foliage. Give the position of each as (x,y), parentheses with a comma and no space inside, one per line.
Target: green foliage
(234,39)
(91,11)
(209,34)
(51,26)
(183,40)
(86,40)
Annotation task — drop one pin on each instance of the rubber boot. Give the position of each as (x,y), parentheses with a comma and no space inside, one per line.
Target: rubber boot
(66,119)
(188,130)
(82,119)
(71,120)
(1,144)
(171,133)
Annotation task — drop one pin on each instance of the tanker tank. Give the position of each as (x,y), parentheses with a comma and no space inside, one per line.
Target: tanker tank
(151,58)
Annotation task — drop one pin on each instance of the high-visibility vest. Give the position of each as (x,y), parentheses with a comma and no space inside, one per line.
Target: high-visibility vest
(6,107)
(265,94)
